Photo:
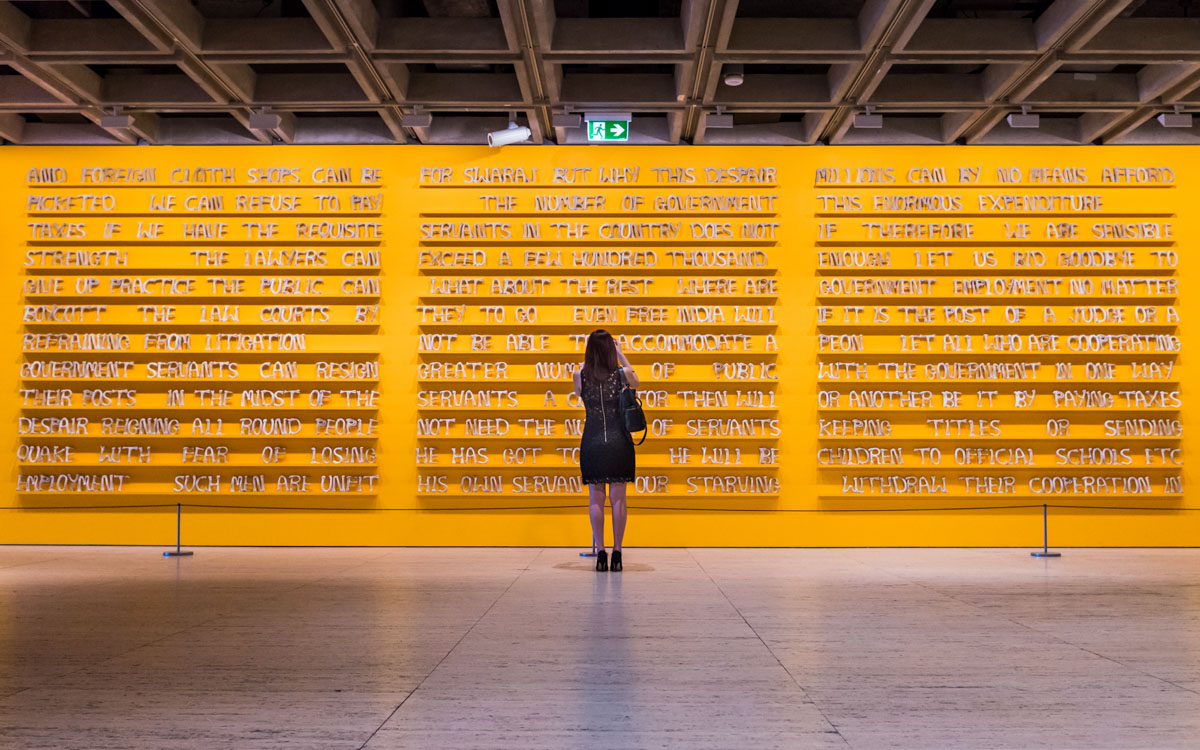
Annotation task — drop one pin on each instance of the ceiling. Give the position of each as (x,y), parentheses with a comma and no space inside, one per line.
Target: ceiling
(450,71)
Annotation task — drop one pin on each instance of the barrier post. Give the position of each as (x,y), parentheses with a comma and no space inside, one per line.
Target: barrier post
(1045,539)
(178,527)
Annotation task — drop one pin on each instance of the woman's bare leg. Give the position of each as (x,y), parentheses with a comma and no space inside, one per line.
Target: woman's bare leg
(596,511)
(616,496)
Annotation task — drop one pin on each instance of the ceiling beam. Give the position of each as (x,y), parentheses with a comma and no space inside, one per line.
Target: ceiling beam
(1182,90)
(352,27)
(1066,24)
(166,23)
(75,84)
(1125,124)
(1093,125)
(176,26)
(1155,80)
(52,68)
(15,27)
(1134,120)
(351,39)
(71,83)
(11,127)
(362,21)
(882,25)
(528,27)
(713,24)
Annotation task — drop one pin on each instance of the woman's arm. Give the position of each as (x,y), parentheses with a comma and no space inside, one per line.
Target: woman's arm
(630,375)
(575,378)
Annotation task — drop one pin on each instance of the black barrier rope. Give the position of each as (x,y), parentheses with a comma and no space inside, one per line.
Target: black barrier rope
(1044,553)
(578,507)
(84,507)
(1113,507)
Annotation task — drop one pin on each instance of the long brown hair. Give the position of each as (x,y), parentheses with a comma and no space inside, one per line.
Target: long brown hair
(600,357)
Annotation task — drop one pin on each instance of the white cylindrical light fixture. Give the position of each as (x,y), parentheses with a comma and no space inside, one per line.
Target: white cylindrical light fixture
(513,134)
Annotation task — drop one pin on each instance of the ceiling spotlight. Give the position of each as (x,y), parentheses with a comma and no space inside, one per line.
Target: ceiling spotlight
(1176,119)
(1024,119)
(418,118)
(868,120)
(717,120)
(116,121)
(265,120)
(735,74)
(514,133)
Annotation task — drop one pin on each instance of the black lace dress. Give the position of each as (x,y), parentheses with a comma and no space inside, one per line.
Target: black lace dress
(606,451)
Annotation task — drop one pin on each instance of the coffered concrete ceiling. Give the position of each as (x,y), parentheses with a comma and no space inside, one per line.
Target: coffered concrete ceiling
(449,71)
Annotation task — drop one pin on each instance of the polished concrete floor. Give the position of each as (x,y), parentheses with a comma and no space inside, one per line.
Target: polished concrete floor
(526,648)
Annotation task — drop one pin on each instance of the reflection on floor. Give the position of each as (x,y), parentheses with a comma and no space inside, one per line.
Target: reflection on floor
(528,648)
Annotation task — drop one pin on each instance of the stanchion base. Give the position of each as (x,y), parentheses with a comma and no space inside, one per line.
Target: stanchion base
(178,554)
(1045,554)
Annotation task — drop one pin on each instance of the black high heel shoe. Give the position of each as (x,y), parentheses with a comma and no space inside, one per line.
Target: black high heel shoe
(602,560)
(616,561)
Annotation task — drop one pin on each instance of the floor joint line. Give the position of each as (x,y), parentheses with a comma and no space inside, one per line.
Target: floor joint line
(446,656)
(1052,636)
(770,651)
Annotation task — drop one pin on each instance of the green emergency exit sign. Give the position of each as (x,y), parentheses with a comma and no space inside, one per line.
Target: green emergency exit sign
(608,130)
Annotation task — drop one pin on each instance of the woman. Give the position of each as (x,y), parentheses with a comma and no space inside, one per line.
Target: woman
(606,456)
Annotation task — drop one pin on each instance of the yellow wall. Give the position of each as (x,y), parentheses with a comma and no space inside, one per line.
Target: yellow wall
(795,189)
